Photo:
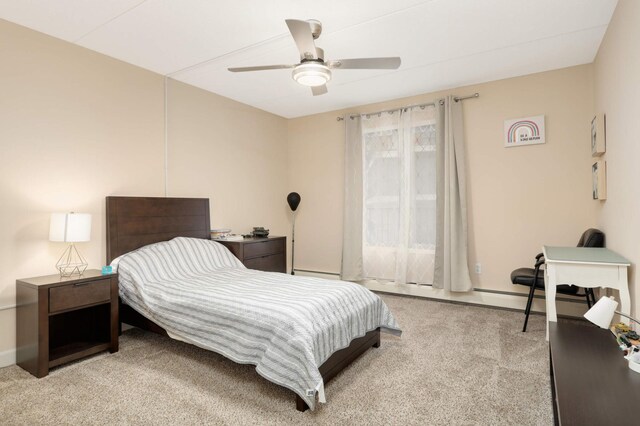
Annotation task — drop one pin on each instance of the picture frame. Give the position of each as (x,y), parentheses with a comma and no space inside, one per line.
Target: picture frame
(598,135)
(599,180)
(524,131)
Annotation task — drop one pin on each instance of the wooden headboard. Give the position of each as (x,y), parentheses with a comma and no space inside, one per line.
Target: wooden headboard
(133,222)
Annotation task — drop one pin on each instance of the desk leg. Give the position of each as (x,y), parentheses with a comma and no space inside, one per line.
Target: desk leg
(623,288)
(550,294)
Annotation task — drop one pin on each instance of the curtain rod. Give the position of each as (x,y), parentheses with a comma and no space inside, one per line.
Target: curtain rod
(475,95)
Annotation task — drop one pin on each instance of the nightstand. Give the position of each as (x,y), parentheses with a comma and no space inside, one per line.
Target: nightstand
(264,254)
(61,319)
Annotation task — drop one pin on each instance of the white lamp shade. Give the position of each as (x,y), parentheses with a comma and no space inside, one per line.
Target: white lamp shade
(602,312)
(70,227)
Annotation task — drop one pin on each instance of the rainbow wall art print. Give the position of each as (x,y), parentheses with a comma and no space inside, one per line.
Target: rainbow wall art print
(524,131)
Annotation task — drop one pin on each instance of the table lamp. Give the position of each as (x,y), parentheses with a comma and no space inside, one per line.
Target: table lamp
(70,228)
(601,315)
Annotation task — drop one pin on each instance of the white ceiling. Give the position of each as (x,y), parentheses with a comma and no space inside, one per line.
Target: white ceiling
(442,43)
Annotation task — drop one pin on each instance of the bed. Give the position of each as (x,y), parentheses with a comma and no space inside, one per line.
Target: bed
(152,232)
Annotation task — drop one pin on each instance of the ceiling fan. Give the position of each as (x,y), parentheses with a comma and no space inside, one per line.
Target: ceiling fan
(313,70)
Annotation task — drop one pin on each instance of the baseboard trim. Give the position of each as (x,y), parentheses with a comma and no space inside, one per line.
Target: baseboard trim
(485,297)
(317,274)
(7,358)
(7,307)
(493,298)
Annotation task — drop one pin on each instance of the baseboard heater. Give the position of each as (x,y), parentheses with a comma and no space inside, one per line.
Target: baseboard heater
(478,296)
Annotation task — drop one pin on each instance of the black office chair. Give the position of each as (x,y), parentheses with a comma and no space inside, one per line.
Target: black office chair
(530,276)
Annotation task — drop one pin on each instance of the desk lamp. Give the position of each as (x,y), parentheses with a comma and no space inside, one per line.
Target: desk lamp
(601,315)
(70,228)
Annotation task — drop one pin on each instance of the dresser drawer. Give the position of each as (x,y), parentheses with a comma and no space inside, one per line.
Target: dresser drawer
(264,248)
(79,294)
(271,263)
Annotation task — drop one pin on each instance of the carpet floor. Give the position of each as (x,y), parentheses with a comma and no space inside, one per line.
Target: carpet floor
(453,365)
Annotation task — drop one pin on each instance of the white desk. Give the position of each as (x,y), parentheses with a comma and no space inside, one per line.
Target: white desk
(584,267)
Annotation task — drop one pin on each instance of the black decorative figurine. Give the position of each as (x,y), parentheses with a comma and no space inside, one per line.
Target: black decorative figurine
(294,201)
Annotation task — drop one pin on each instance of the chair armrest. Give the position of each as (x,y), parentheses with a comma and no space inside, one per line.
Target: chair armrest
(539,255)
(539,263)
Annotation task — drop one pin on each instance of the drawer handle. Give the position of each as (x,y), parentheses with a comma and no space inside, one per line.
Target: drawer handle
(81,284)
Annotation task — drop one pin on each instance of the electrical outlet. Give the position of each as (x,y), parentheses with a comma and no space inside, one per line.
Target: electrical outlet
(478,268)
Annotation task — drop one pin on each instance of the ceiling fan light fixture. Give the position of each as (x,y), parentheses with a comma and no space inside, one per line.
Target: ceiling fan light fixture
(311,74)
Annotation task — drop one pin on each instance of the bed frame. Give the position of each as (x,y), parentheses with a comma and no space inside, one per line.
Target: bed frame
(133,222)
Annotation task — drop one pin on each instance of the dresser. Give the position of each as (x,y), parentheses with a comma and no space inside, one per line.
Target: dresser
(62,319)
(264,254)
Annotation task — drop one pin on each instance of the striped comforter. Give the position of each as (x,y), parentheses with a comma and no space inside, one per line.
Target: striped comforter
(285,325)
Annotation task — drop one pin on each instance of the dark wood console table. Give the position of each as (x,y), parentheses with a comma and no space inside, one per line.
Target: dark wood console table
(590,379)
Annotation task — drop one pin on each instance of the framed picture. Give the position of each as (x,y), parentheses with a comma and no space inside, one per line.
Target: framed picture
(598,135)
(524,131)
(599,180)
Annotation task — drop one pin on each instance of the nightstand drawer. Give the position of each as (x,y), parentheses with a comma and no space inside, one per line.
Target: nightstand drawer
(272,263)
(79,294)
(264,248)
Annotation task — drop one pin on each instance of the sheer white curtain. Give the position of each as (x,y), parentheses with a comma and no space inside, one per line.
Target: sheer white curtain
(390,197)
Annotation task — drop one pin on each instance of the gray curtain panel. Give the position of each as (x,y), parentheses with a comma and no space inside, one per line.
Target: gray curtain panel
(451,266)
(352,269)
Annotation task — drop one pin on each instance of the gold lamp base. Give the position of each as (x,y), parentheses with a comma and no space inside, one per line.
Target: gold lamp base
(71,262)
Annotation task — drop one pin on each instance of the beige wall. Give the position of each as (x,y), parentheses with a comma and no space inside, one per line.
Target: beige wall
(617,94)
(233,154)
(76,126)
(520,198)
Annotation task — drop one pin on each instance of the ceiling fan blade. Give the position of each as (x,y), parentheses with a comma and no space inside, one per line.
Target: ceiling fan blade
(365,63)
(301,33)
(260,68)
(319,90)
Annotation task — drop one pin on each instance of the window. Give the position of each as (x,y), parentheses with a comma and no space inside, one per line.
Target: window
(399,195)
(405,193)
